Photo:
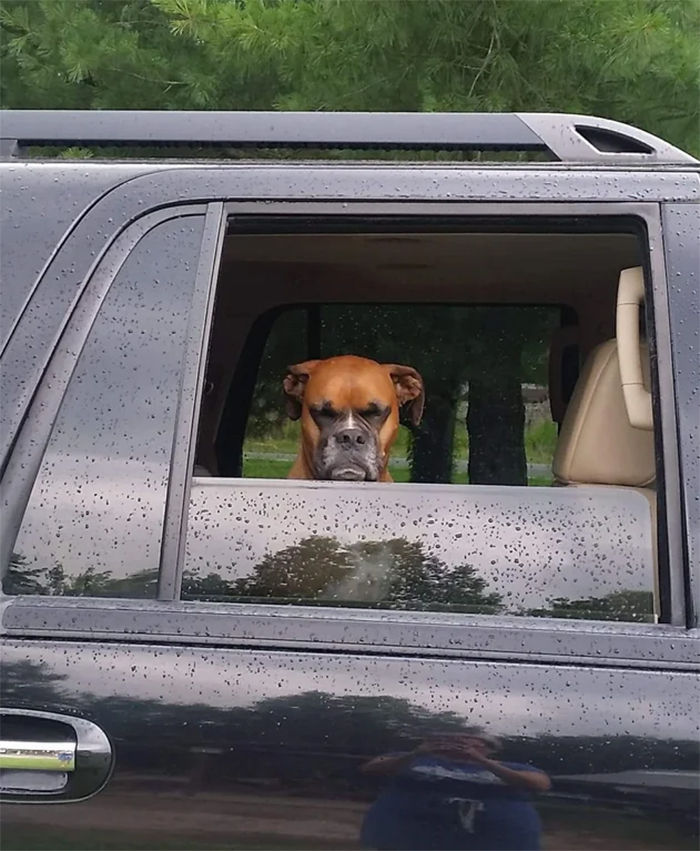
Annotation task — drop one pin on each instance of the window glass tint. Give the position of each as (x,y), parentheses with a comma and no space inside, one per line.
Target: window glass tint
(94,521)
(511,542)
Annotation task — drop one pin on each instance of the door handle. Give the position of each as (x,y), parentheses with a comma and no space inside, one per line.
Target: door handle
(48,757)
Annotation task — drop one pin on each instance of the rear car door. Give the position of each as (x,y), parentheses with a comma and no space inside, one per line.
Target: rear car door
(205,724)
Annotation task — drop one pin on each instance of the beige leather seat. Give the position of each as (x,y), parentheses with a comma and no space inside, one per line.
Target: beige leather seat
(597,445)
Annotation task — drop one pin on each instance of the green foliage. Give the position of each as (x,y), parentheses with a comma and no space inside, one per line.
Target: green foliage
(397,574)
(24,578)
(617,606)
(274,468)
(21,578)
(633,60)
(264,439)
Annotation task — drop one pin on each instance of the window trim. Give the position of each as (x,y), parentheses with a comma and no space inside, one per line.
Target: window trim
(354,631)
(671,567)
(682,251)
(189,403)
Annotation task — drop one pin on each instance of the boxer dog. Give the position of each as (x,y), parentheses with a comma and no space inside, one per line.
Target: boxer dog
(349,409)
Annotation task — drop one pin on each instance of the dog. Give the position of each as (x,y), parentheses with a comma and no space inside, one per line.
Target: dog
(349,410)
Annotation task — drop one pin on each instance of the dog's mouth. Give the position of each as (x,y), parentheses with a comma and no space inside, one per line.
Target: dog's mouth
(336,462)
(349,474)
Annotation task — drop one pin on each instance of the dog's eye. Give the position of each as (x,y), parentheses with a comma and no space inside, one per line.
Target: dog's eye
(324,412)
(373,412)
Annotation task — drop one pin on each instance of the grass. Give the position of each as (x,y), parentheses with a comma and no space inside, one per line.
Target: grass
(540,442)
(272,468)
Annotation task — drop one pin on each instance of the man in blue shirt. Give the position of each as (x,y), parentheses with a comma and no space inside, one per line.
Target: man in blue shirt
(450,794)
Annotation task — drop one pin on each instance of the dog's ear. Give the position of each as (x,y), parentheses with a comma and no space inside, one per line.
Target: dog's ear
(294,385)
(409,389)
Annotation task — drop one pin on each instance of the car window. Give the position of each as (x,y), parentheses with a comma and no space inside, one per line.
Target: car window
(93,525)
(521,488)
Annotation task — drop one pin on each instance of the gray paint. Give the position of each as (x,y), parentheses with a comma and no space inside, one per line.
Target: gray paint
(100,473)
(682,247)
(35,219)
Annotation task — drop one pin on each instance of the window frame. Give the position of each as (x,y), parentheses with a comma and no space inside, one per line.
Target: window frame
(671,566)
(682,248)
(429,634)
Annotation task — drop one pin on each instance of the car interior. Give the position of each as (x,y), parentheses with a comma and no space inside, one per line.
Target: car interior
(263,272)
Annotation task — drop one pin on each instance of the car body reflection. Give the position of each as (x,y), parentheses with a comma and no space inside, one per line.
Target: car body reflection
(245,748)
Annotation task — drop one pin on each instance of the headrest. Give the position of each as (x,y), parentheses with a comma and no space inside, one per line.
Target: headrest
(597,444)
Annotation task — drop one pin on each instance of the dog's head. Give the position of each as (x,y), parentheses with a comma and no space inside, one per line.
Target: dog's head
(349,409)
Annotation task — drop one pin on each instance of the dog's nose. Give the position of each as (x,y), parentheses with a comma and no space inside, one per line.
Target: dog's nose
(350,438)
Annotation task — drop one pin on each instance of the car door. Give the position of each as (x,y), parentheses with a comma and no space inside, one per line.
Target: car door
(233,725)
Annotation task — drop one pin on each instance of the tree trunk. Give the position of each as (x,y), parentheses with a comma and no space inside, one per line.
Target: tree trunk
(433,439)
(496,427)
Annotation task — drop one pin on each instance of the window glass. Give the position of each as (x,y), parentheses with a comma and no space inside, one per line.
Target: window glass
(513,541)
(94,521)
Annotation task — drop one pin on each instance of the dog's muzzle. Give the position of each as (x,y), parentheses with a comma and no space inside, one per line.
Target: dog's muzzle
(349,452)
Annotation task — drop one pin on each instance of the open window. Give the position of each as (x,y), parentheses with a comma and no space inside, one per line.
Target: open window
(485,413)
(524,489)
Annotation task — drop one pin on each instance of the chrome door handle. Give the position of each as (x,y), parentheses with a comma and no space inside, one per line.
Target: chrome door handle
(48,757)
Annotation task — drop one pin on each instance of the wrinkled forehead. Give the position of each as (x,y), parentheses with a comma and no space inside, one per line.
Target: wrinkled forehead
(350,388)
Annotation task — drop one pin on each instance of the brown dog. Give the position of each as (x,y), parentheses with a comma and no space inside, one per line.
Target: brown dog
(349,409)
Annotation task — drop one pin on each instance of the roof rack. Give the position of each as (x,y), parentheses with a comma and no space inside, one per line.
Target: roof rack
(568,138)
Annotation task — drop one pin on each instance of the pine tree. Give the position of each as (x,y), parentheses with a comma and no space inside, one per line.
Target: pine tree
(633,60)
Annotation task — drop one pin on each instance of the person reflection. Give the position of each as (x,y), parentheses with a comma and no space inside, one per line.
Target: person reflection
(451,794)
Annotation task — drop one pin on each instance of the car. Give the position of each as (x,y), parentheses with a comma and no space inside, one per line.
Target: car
(500,648)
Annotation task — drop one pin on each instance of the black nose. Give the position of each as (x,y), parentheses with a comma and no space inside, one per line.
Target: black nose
(350,438)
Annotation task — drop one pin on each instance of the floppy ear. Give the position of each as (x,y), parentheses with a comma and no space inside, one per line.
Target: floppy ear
(409,389)
(294,385)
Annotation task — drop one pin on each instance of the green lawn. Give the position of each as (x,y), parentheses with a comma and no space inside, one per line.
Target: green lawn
(540,442)
(271,468)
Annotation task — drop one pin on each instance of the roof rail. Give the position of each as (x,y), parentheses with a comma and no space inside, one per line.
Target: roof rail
(568,138)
